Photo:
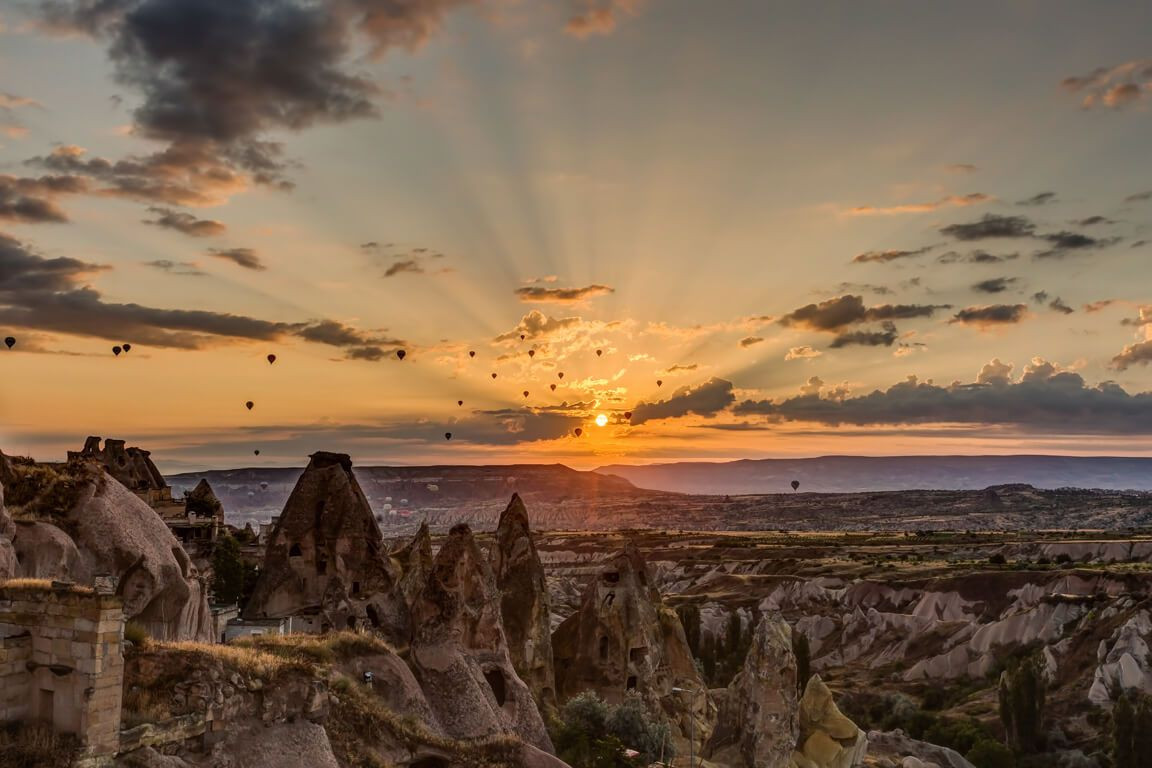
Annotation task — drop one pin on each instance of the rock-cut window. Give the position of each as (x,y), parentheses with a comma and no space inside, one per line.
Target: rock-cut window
(294,551)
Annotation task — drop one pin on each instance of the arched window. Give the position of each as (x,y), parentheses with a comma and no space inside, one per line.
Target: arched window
(294,551)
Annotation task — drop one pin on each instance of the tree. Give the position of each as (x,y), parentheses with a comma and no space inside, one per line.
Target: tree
(803,655)
(991,754)
(1132,730)
(228,570)
(1022,691)
(592,734)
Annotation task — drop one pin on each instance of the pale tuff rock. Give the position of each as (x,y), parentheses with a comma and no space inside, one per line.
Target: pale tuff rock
(1122,661)
(758,723)
(131,467)
(43,551)
(907,752)
(828,739)
(524,602)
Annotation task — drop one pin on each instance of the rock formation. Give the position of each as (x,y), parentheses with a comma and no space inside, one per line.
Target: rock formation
(907,752)
(76,523)
(757,726)
(201,501)
(624,638)
(524,602)
(326,556)
(460,654)
(131,467)
(828,739)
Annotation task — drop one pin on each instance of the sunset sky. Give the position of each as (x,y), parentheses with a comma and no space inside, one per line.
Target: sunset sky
(827,227)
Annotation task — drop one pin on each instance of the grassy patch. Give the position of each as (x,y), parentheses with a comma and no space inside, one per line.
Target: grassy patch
(46,491)
(29,745)
(253,662)
(322,649)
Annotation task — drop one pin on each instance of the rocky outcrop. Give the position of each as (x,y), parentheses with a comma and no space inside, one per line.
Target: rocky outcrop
(828,739)
(525,606)
(624,638)
(1123,661)
(77,523)
(459,652)
(326,556)
(8,562)
(907,752)
(758,725)
(132,467)
(201,501)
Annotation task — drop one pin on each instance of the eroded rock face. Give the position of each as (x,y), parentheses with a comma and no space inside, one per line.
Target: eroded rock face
(758,723)
(326,556)
(8,563)
(131,467)
(43,551)
(459,652)
(525,606)
(624,638)
(828,739)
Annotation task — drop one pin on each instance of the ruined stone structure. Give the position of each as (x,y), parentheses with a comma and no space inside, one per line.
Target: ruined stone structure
(624,638)
(459,652)
(524,602)
(61,661)
(326,556)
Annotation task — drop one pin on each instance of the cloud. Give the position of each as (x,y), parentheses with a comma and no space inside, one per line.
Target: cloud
(241,257)
(885,337)
(33,200)
(1042,198)
(1064,242)
(749,341)
(411,266)
(185,223)
(804,352)
(678,368)
(1045,399)
(183,268)
(1139,197)
(1097,306)
(835,314)
(991,226)
(599,17)
(976,257)
(990,315)
(535,294)
(994,285)
(961,168)
(1139,353)
(1112,87)
(706,399)
(946,202)
(886,256)
(1092,221)
(1057,305)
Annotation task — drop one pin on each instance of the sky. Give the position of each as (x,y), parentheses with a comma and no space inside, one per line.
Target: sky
(739,229)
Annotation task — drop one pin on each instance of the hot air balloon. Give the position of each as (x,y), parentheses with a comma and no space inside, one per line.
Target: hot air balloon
(659,383)
(525,393)
(628,415)
(578,431)
(116,351)
(400,353)
(257,451)
(553,387)
(264,485)
(447,435)
(599,352)
(560,375)
(271,359)
(10,341)
(795,485)
(531,353)
(522,337)
(472,353)
(459,402)
(493,374)
(249,405)
(126,347)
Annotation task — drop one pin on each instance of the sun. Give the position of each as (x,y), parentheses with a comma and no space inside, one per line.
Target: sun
(601,420)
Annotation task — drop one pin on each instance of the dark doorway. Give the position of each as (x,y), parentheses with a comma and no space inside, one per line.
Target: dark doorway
(495,680)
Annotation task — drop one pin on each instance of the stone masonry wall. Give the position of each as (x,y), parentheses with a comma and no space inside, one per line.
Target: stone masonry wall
(61,661)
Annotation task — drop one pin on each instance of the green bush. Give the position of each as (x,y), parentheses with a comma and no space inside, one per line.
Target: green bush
(590,733)
(136,634)
(960,735)
(991,754)
(1022,691)
(1132,730)
(228,571)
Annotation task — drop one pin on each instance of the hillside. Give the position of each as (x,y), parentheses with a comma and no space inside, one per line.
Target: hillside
(850,474)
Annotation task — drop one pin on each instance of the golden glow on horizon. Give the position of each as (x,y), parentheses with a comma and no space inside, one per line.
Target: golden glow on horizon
(601,420)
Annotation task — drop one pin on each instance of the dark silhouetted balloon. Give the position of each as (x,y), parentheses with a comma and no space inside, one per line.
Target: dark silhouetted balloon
(472,353)
(257,452)
(249,405)
(126,347)
(628,415)
(560,375)
(795,485)
(531,353)
(116,351)
(271,359)
(578,431)
(447,435)
(525,393)
(553,387)
(459,402)
(493,375)
(599,352)
(10,341)
(659,383)
(400,353)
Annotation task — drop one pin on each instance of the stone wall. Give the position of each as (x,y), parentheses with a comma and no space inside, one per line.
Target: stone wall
(61,662)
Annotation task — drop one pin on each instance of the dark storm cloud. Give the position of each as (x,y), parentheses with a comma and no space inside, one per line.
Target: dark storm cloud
(705,399)
(991,226)
(835,314)
(33,200)
(886,256)
(993,314)
(976,257)
(1043,198)
(537,294)
(1043,400)
(885,337)
(184,223)
(241,257)
(50,294)
(994,285)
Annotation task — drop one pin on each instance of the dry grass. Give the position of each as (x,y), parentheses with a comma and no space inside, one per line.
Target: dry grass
(42,585)
(322,649)
(46,491)
(238,658)
(25,745)
(144,705)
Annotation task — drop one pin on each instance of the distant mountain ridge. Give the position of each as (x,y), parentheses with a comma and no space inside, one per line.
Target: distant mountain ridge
(851,474)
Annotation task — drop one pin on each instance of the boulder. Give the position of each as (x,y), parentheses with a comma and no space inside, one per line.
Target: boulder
(758,722)
(912,753)
(828,739)
(525,606)
(326,556)
(44,551)
(459,652)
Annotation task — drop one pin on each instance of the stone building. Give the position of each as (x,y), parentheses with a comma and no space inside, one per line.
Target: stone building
(61,661)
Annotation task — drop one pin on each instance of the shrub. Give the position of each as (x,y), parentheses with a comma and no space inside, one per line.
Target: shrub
(991,754)
(960,735)
(1131,730)
(997,559)
(136,634)
(803,653)
(228,571)
(592,734)
(1022,691)
(32,745)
